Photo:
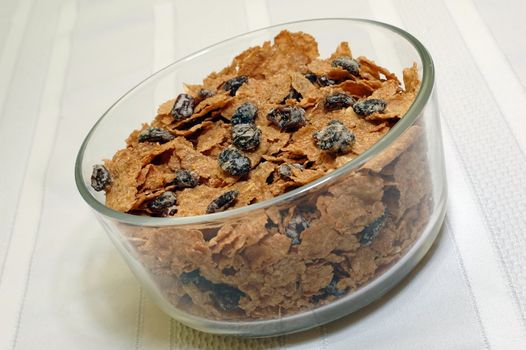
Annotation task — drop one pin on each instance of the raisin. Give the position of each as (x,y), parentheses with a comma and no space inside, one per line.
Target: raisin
(203,94)
(246,137)
(334,138)
(195,277)
(313,78)
(100,178)
(226,296)
(295,227)
(285,169)
(234,162)
(183,107)
(190,277)
(370,106)
(223,202)
(293,95)
(270,179)
(229,271)
(185,179)
(155,135)
(329,290)
(203,284)
(235,83)
(287,118)
(347,63)
(332,290)
(320,80)
(338,101)
(324,81)
(370,232)
(244,114)
(164,204)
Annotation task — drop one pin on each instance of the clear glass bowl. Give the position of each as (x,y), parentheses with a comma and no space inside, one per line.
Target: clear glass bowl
(235,272)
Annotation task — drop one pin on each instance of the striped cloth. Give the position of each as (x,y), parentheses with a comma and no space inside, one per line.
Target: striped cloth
(63,62)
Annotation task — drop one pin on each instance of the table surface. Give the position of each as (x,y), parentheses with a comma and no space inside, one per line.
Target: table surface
(63,62)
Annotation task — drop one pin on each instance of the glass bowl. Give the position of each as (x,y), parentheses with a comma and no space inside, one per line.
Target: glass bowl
(236,272)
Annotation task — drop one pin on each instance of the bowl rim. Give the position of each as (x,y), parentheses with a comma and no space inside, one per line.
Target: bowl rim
(412,114)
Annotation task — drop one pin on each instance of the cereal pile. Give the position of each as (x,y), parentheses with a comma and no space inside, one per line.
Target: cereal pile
(277,118)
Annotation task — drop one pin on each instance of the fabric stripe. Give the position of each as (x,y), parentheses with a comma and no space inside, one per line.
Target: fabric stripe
(506,23)
(10,51)
(451,236)
(510,102)
(493,64)
(140,321)
(473,242)
(9,57)
(172,334)
(25,232)
(489,152)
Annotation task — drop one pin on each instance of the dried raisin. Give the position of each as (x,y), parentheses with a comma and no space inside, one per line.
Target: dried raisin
(370,106)
(287,118)
(244,114)
(223,202)
(338,101)
(321,80)
(226,296)
(233,84)
(293,95)
(329,290)
(324,81)
(164,205)
(285,169)
(100,178)
(295,227)
(347,63)
(246,137)
(190,277)
(183,107)
(234,162)
(185,179)
(155,135)
(334,138)
(203,94)
(370,232)
(313,78)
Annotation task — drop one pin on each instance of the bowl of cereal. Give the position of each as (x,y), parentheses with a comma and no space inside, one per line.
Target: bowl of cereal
(274,181)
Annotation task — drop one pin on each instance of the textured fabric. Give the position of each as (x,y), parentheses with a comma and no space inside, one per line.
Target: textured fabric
(512,14)
(63,285)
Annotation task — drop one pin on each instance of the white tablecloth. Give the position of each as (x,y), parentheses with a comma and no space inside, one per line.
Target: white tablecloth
(63,62)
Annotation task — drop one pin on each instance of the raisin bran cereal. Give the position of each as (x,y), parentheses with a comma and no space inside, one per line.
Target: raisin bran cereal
(277,118)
